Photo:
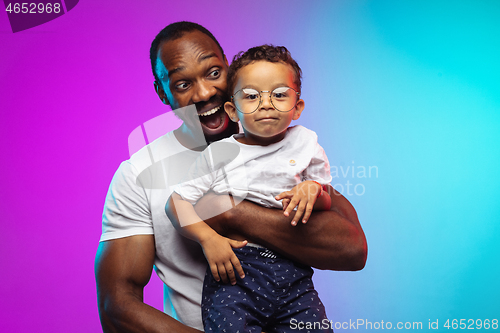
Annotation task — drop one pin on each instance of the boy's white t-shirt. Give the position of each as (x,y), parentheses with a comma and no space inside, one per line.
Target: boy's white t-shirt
(257,173)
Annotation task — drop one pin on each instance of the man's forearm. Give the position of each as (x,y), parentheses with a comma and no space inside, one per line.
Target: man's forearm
(327,241)
(123,267)
(330,240)
(127,314)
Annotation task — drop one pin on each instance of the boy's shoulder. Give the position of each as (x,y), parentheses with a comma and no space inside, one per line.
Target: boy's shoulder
(301,131)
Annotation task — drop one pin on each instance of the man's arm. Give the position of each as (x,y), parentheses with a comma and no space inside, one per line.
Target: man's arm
(331,239)
(123,268)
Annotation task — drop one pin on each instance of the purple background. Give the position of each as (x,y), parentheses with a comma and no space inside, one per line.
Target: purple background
(409,87)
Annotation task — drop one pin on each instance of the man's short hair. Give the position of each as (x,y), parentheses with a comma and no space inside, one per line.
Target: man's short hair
(266,52)
(175,31)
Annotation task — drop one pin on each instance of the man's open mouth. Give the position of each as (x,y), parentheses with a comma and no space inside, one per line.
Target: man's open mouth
(212,118)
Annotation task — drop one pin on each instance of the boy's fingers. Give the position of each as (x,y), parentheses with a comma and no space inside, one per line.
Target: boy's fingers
(215,272)
(285,203)
(299,212)
(230,272)
(307,214)
(237,266)
(282,195)
(290,207)
(237,244)
(222,272)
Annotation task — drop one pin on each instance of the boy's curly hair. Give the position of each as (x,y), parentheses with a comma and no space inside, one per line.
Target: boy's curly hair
(265,52)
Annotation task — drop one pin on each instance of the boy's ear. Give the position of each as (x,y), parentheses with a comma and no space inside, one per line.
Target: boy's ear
(231,111)
(299,107)
(161,93)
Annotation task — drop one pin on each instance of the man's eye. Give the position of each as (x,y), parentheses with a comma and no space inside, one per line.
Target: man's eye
(182,86)
(214,74)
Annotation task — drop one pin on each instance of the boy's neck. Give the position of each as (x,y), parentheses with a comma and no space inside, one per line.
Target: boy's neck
(253,140)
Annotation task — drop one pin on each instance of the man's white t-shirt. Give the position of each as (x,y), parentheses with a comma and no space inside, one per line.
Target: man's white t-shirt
(135,205)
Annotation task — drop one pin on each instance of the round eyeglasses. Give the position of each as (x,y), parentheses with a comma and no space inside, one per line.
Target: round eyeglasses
(248,100)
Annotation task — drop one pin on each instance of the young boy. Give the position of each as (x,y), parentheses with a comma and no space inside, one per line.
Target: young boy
(271,162)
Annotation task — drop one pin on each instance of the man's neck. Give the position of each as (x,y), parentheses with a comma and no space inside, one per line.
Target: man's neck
(194,140)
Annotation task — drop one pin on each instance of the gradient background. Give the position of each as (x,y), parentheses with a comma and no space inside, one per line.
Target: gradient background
(409,87)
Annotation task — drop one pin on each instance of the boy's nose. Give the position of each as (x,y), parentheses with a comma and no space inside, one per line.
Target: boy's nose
(265,100)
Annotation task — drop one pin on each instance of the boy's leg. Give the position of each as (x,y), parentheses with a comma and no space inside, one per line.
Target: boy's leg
(244,307)
(300,309)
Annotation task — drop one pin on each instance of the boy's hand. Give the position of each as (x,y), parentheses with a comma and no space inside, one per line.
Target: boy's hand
(221,258)
(303,195)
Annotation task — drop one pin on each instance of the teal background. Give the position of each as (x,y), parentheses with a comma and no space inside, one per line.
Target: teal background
(409,89)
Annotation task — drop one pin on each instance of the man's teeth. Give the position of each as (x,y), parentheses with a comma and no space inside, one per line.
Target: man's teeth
(209,112)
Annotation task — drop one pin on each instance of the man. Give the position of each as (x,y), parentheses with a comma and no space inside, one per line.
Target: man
(190,69)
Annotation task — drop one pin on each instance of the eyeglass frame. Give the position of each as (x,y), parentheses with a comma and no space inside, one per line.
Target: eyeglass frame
(270,98)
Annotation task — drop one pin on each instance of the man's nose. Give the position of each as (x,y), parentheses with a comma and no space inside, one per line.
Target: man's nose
(204,91)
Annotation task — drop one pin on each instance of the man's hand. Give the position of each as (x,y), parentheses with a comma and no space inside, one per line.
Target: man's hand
(220,256)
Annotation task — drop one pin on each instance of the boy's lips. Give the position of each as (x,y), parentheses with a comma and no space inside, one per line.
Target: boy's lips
(267,119)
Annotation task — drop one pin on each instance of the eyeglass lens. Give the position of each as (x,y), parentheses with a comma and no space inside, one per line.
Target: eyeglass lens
(248,100)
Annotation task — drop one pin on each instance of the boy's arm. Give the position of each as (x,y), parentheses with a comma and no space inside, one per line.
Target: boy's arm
(331,239)
(217,249)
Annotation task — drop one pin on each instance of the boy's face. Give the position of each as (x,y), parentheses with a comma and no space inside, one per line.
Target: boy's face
(266,125)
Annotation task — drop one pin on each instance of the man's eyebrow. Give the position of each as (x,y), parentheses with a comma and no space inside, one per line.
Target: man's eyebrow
(207,56)
(175,70)
(202,58)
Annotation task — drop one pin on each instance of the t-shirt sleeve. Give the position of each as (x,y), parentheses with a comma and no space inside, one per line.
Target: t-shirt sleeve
(319,167)
(198,180)
(126,208)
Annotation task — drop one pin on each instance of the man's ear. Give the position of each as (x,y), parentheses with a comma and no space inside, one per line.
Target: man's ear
(161,93)
(231,111)
(225,60)
(299,107)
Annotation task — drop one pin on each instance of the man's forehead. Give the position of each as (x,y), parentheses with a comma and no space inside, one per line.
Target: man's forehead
(191,49)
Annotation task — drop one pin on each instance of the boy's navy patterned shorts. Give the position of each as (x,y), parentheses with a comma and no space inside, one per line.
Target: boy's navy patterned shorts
(275,293)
